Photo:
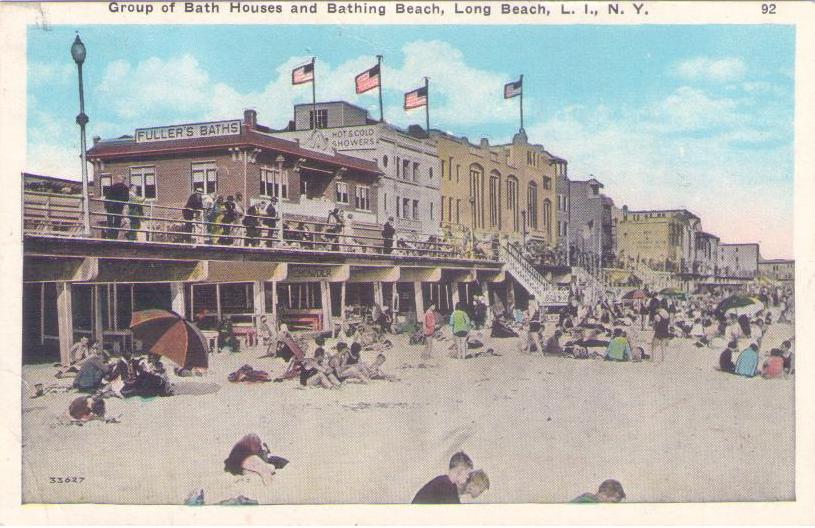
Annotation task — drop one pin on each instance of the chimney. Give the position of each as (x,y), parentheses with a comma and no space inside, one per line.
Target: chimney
(250,118)
(485,143)
(96,139)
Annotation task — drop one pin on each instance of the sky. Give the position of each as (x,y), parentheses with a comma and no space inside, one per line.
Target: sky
(697,117)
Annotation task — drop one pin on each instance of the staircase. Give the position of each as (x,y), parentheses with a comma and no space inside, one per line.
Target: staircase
(655,280)
(531,279)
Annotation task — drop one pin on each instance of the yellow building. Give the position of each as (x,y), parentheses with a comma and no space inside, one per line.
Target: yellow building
(509,190)
(663,240)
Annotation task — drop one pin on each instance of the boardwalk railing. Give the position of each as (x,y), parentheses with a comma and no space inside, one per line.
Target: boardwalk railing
(146,222)
(530,278)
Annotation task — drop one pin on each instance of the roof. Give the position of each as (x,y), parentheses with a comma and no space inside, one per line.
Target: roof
(776,261)
(732,244)
(122,148)
(680,211)
(707,235)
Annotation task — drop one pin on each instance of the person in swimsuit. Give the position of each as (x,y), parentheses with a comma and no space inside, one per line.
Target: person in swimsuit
(248,455)
(535,326)
(314,372)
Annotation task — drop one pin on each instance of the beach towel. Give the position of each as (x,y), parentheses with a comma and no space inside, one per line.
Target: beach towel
(248,374)
(747,363)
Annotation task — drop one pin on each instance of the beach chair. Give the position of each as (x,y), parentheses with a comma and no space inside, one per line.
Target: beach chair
(293,368)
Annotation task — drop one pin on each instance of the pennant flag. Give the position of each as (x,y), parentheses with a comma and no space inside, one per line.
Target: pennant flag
(513,89)
(416,98)
(303,74)
(367,80)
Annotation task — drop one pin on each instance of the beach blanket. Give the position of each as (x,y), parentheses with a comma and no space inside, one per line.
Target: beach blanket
(248,374)
(747,363)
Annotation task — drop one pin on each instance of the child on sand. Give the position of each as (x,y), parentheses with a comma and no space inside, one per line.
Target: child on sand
(610,491)
(445,489)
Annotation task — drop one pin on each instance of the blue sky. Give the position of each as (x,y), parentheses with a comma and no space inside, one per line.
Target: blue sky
(665,116)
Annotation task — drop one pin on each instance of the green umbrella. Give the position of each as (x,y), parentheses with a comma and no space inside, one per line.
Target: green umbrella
(672,292)
(740,304)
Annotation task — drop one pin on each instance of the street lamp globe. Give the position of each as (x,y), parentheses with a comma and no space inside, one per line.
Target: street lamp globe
(78,50)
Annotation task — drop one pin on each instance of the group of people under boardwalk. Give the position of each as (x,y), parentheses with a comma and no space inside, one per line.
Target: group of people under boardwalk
(97,375)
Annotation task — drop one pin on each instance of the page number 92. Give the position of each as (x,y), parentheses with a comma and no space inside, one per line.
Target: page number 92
(767,9)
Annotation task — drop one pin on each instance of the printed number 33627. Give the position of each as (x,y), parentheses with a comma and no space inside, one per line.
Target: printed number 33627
(65,480)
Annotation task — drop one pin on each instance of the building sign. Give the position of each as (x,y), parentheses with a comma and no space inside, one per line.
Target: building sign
(190,131)
(354,138)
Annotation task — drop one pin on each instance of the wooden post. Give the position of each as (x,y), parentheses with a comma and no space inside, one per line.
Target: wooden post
(274,305)
(419,299)
(342,301)
(454,294)
(394,298)
(325,297)
(65,321)
(177,296)
(259,291)
(97,313)
(378,293)
(218,300)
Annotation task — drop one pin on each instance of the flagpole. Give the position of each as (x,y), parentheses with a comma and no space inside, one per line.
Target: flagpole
(522,102)
(314,91)
(381,114)
(427,103)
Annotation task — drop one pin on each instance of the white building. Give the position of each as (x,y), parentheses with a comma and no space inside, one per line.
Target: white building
(410,187)
(738,260)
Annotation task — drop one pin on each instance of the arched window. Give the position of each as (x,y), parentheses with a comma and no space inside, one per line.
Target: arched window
(477,195)
(512,203)
(532,205)
(495,199)
(547,218)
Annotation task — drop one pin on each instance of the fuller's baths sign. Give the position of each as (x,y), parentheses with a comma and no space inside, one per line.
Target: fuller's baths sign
(190,131)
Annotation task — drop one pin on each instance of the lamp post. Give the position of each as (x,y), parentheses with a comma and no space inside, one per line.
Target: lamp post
(78,53)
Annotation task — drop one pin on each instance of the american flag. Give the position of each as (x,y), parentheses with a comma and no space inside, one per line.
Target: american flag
(513,89)
(416,98)
(367,80)
(303,74)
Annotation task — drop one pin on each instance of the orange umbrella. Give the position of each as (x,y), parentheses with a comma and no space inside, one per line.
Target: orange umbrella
(170,335)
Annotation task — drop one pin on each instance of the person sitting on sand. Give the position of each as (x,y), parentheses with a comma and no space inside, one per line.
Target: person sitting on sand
(747,364)
(445,489)
(77,353)
(315,371)
(726,358)
(774,365)
(477,483)
(374,370)
(248,455)
(552,345)
(86,408)
(610,491)
(346,366)
(93,370)
(619,349)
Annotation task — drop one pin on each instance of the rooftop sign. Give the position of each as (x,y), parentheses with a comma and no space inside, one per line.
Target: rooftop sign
(189,131)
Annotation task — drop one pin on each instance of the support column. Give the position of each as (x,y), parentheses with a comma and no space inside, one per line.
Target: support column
(259,291)
(342,301)
(325,296)
(394,298)
(274,305)
(454,294)
(510,292)
(418,299)
(97,312)
(177,298)
(65,321)
(378,293)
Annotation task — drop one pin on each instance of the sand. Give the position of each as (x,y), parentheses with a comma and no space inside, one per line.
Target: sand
(545,429)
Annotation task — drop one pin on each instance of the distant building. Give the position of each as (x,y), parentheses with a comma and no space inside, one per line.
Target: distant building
(781,270)
(509,190)
(408,160)
(663,240)
(593,221)
(706,262)
(50,184)
(739,260)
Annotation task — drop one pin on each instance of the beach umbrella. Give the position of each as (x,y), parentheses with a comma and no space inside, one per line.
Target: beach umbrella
(170,335)
(635,295)
(672,292)
(740,305)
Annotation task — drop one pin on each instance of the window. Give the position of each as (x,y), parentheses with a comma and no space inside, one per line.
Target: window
(272,183)
(415,209)
(495,199)
(458,211)
(362,198)
(443,163)
(322,118)
(303,186)
(430,173)
(385,204)
(547,216)
(105,181)
(477,195)
(144,178)
(406,169)
(442,207)
(415,171)
(450,209)
(384,161)
(532,205)
(512,202)
(458,173)
(398,206)
(398,167)
(547,182)
(204,177)
(431,209)
(342,192)
(405,208)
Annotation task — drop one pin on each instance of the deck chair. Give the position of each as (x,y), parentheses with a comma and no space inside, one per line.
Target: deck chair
(293,368)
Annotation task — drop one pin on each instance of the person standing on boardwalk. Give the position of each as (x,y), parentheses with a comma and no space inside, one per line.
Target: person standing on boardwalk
(388,232)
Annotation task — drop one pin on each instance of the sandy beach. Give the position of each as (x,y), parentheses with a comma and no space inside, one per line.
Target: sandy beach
(545,429)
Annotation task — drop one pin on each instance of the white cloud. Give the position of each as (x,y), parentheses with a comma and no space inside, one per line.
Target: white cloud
(691,109)
(51,73)
(708,69)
